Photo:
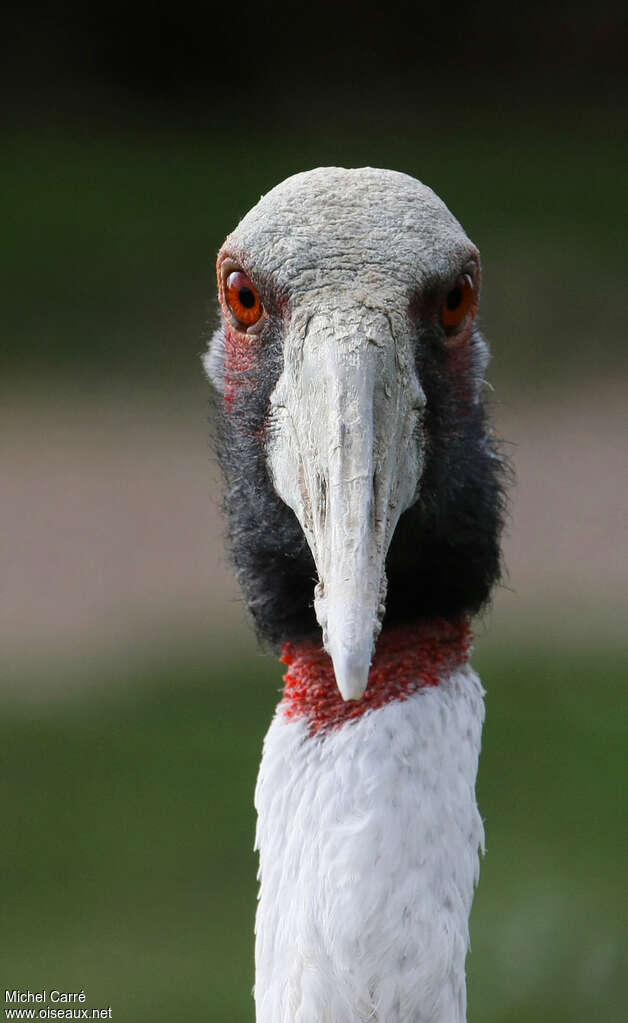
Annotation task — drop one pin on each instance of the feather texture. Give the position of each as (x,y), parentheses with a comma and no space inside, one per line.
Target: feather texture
(369,839)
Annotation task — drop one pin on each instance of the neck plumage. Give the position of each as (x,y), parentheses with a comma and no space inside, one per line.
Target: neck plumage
(407,658)
(368,835)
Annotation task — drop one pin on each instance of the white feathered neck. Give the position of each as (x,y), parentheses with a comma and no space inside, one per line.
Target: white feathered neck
(368,835)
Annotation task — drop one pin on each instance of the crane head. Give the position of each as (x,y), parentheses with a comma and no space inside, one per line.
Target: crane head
(348,349)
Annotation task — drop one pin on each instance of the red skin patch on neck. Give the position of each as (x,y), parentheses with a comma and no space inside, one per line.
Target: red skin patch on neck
(407,658)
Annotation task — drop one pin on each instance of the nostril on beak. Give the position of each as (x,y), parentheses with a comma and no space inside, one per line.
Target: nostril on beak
(321,503)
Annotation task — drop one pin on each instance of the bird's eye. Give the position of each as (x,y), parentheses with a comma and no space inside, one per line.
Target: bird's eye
(458,302)
(243,299)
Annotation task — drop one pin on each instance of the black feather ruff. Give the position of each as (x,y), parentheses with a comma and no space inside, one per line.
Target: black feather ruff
(444,557)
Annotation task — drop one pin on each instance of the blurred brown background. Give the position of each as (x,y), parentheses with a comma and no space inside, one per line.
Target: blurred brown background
(134,698)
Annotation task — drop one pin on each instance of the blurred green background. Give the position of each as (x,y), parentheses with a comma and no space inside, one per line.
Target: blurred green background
(134,701)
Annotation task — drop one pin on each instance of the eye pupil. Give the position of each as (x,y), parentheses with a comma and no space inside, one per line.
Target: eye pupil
(454,298)
(247,298)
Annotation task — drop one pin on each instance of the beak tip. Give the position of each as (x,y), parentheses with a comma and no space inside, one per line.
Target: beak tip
(352,673)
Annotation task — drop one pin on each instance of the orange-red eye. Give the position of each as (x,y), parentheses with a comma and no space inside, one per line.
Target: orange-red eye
(243,298)
(458,302)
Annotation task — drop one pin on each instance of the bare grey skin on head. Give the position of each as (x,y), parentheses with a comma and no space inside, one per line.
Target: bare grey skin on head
(344,259)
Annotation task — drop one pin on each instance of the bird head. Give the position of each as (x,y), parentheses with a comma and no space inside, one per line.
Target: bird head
(348,299)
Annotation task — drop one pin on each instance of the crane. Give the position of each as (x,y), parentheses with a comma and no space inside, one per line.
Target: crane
(364,497)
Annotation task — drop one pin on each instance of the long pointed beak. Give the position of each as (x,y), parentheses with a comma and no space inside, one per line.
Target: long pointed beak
(345,454)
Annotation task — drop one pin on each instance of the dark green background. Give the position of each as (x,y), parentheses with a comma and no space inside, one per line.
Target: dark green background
(131,147)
